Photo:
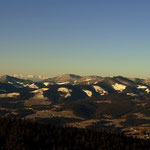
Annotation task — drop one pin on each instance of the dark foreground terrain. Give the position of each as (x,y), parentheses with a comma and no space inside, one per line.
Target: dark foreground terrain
(18,134)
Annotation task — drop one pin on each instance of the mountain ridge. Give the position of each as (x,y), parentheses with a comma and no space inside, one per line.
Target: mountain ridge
(83,101)
(88,85)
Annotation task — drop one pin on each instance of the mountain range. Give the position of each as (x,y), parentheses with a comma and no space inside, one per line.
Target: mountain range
(97,102)
(85,85)
(30,77)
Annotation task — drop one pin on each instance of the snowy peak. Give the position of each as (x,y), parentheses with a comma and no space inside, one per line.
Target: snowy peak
(31,77)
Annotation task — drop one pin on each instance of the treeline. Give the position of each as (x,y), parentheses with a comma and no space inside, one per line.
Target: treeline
(18,134)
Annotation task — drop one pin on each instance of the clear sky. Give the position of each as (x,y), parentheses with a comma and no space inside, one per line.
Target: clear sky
(85,37)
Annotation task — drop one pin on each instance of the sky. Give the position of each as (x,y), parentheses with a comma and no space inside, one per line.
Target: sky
(84,37)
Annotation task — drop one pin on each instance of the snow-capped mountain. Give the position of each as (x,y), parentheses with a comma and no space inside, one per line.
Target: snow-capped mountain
(72,86)
(30,77)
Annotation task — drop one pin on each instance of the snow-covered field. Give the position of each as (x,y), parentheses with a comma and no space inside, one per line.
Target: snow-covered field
(100,90)
(66,91)
(88,92)
(119,87)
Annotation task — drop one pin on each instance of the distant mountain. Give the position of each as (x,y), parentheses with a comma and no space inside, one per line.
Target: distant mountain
(63,79)
(30,77)
(7,79)
(73,79)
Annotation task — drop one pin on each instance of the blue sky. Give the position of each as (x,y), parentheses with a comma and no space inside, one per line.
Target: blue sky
(85,37)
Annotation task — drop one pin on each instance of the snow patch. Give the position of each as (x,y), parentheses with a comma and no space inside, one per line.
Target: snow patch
(100,90)
(119,87)
(147,90)
(66,91)
(75,81)
(40,90)
(9,95)
(46,83)
(96,82)
(88,79)
(61,83)
(39,94)
(10,82)
(89,93)
(142,87)
(19,82)
(132,94)
(32,86)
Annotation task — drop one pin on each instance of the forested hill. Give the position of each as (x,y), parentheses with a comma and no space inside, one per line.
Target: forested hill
(18,134)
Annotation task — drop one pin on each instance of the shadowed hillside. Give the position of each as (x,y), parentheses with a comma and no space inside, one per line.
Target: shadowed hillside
(17,134)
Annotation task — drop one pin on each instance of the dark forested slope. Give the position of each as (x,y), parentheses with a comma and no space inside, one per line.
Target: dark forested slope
(17,134)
